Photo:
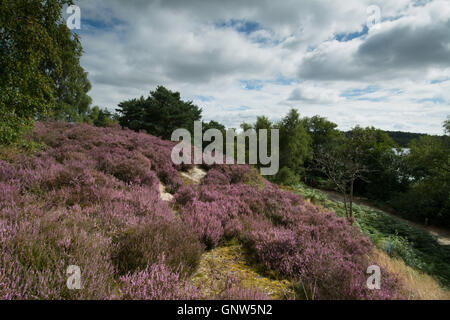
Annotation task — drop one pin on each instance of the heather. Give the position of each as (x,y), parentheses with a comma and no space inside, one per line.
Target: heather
(324,255)
(157,282)
(91,198)
(415,246)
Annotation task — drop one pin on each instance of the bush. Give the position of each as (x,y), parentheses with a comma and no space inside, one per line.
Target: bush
(156,282)
(145,244)
(424,203)
(36,253)
(287,177)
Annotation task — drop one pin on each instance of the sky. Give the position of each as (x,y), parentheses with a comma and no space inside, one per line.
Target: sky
(378,63)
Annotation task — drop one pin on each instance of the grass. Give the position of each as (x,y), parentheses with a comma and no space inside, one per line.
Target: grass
(417,285)
(416,247)
(218,264)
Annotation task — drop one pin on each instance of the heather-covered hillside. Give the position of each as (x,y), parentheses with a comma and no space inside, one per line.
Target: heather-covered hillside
(91,198)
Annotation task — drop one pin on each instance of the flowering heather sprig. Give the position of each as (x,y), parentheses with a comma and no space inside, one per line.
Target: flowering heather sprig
(156,282)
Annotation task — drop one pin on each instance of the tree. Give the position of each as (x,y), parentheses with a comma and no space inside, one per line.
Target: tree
(34,43)
(99,117)
(324,134)
(246,126)
(427,198)
(214,125)
(72,84)
(322,131)
(263,123)
(295,143)
(342,167)
(429,156)
(447,125)
(376,150)
(159,114)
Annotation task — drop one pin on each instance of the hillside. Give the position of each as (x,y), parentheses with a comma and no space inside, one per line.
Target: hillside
(91,198)
(404,138)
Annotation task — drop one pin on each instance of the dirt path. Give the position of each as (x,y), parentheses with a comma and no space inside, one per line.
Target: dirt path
(165,196)
(194,176)
(442,235)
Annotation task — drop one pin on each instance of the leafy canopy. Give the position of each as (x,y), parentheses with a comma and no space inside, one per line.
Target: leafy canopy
(39,63)
(159,114)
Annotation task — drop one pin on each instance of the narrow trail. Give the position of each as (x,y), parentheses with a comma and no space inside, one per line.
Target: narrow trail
(442,235)
(217,265)
(193,176)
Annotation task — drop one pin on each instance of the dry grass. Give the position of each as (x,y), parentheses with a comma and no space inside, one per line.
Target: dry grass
(417,285)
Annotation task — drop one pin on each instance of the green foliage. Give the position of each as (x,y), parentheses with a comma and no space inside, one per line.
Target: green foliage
(72,84)
(429,156)
(295,142)
(310,194)
(427,199)
(415,246)
(159,114)
(246,126)
(402,139)
(214,125)
(447,125)
(39,59)
(322,131)
(375,150)
(286,177)
(100,117)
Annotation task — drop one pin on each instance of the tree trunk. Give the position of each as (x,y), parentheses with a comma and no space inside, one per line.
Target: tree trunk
(345,205)
(351,201)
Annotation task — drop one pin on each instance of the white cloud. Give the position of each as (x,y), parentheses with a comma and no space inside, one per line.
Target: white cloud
(209,48)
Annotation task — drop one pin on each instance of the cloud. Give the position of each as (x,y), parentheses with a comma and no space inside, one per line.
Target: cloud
(408,46)
(270,56)
(315,95)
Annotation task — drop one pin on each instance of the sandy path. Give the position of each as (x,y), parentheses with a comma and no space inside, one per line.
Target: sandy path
(194,175)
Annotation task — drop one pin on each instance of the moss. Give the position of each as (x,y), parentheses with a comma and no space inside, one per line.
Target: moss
(216,264)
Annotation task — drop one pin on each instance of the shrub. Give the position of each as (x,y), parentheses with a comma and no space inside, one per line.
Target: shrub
(287,177)
(144,244)
(156,282)
(36,253)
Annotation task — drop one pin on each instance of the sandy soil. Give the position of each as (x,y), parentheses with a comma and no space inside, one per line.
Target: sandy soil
(194,175)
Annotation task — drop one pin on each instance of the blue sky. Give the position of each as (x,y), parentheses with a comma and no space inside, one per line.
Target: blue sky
(241,59)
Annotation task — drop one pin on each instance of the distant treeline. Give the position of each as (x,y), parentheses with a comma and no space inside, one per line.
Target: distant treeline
(404,138)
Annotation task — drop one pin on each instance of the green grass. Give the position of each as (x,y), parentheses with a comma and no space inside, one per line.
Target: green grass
(418,248)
